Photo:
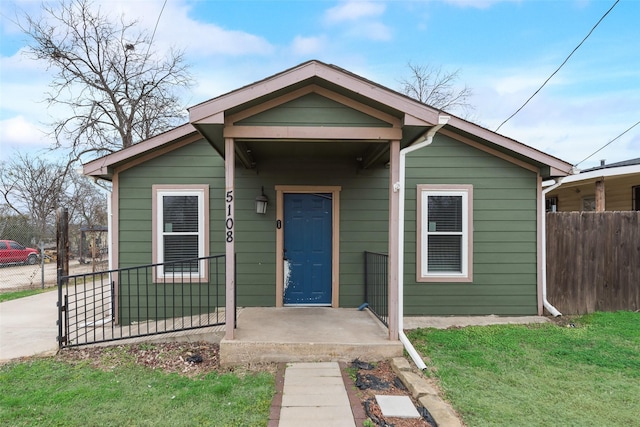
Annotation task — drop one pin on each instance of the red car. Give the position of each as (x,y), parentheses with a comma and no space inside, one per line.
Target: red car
(14,253)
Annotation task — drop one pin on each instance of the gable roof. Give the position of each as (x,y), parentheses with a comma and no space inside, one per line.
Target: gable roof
(412,118)
(324,75)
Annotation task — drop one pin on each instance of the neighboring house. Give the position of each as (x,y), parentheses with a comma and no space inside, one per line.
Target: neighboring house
(612,187)
(326,149)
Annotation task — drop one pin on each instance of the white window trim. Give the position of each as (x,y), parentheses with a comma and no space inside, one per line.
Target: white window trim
(202,192)
(425,190)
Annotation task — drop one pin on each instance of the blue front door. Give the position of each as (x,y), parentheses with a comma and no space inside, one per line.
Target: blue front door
(307,246)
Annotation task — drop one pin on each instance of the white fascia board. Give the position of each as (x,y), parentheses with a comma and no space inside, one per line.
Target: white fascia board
(601,173)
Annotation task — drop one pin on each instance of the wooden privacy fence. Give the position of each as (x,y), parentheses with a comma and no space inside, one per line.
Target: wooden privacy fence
(593,261)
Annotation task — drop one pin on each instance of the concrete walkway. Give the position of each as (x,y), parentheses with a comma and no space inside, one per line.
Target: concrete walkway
(314,394)
(28,326)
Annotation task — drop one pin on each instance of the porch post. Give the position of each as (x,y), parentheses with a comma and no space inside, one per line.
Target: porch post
(394,204)
(230,267)
(600,201)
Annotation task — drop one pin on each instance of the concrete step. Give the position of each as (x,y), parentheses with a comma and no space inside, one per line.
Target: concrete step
(233,352)
(310,334)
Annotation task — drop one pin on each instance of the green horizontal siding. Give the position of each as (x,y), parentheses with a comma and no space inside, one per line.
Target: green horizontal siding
(494,290)
(196,163)
(504,233)
(313,110)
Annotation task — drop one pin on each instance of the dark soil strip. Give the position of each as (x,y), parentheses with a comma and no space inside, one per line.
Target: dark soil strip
(354,401)
(276,402)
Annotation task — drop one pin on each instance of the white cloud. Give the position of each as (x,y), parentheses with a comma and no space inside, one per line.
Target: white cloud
(477,4)
(177,28)
(308,45)
(372,31)
(351,10)
(522,81)
(23,87)
(21,64)
(360,19)
(19,131)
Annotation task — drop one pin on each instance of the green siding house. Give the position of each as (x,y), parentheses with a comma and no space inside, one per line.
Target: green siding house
(346,166)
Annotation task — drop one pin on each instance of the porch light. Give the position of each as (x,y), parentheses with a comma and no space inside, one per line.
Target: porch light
(261,203)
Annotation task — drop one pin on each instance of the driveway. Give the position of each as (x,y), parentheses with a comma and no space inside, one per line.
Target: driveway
(15,277)
(28,326)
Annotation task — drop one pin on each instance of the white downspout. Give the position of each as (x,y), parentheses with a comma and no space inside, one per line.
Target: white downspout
(550,308)
(419,143)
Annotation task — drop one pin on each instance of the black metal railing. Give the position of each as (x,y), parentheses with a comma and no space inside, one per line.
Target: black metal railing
(376,285)
(141,301)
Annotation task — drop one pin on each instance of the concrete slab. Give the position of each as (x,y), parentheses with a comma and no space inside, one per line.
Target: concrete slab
(317,380)
(315,397)
(309,324)
(28,326)
(444,322)
(397,406)
(307,334)
(303,399)
(324,390)
(316,416)
(315,365)
(320,372)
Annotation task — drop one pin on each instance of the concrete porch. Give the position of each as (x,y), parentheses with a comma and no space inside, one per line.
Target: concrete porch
(307,334)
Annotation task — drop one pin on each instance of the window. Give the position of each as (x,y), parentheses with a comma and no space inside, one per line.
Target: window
(551,204)
(589,203)
(180,231)
(445,233)
(636,197)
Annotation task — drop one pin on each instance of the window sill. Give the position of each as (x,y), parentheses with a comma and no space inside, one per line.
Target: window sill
(445,279)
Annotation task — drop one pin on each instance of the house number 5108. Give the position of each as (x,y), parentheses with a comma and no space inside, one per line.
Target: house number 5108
(229,222)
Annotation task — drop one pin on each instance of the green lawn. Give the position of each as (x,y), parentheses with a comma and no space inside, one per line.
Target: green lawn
(8,296)
(49,392)
(584,373)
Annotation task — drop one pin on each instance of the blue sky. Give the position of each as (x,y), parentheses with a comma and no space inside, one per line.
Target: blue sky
(504,50)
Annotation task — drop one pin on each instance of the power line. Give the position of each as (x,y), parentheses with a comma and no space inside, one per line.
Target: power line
(561,65)
(608,143)
(156,26)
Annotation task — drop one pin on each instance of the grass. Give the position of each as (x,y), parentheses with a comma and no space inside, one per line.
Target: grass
(49,392)
(8,296)
(540,375)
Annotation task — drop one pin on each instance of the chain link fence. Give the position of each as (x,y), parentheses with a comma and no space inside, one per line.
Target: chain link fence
(28,257)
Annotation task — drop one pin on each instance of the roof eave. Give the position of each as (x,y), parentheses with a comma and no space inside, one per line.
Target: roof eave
(555,166)
(103,166)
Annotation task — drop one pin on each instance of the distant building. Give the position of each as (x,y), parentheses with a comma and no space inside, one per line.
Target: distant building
(608,187)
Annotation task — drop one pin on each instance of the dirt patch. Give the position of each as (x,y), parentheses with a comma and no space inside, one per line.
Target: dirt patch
(379,379)
(190,359)
(566,321)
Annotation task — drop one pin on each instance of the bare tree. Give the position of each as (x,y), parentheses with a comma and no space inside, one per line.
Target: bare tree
(33,188)
(88,202)
(437,88)
(114,89)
